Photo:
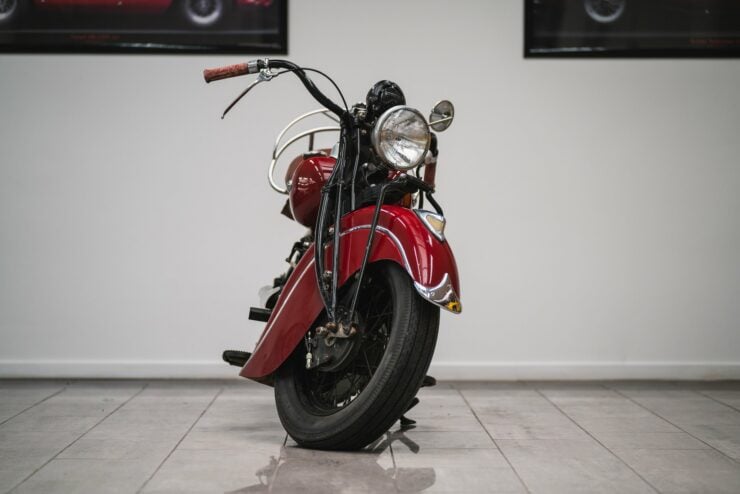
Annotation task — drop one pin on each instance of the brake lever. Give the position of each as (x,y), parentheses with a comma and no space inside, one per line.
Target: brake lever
(265,75)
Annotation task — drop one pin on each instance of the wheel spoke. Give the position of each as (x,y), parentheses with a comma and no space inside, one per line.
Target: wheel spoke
(369,367)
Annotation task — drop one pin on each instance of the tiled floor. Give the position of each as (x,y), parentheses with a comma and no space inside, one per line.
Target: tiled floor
(213,436)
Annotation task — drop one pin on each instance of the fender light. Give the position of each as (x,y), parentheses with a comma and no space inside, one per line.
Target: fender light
(434,222)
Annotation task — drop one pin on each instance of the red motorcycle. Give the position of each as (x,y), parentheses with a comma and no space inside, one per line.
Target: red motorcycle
(352,324)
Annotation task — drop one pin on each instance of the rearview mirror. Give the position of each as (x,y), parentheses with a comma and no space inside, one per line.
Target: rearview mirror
(442,115)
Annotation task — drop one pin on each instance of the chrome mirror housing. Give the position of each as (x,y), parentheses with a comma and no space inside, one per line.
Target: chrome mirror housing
(442,115)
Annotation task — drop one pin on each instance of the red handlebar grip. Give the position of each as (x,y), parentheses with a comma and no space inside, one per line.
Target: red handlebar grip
(226,72)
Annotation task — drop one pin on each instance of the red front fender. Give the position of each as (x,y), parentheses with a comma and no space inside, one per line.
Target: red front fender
(400,237)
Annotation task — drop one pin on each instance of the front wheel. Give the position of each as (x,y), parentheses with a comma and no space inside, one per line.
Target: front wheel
(604,11)
(350,403)
(10,11)
(204,13)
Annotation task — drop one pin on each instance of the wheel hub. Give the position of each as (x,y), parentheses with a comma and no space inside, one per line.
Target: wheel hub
(203,8)
(336,344)
(606,7)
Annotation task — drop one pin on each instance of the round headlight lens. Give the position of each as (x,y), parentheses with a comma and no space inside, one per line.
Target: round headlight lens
(401,137)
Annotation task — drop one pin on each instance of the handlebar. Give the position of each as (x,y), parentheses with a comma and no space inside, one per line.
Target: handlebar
(255,66)
(228,71)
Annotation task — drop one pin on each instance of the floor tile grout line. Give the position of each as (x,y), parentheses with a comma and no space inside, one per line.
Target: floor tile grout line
(700,393)
(79,437)
(674,425)
(200,416)
(33,405)
(615,455)
(506,458)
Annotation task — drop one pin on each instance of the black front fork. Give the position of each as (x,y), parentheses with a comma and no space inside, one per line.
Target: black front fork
(332,189)
(333,200)
(342,178)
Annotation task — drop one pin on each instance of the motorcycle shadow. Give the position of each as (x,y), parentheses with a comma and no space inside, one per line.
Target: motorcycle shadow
(372,469)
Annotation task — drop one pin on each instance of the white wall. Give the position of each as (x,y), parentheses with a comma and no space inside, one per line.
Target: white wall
(592,204)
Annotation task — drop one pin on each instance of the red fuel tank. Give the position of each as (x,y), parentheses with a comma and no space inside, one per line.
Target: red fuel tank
(306,176)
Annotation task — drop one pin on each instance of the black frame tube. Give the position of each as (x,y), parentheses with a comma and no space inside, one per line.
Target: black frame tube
(434,203)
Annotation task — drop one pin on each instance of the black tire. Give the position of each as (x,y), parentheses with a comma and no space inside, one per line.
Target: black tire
(205,13)
(11,11)
(396,379)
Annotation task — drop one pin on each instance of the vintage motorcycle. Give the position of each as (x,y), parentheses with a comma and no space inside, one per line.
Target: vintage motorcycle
(352,324)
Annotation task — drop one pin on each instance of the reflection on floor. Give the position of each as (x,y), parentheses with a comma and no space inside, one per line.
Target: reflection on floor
(224,436)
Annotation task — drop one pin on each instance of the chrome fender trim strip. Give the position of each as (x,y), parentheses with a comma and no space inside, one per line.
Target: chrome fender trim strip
(443,295)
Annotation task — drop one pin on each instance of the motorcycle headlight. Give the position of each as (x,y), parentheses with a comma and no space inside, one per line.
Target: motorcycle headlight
(401,137)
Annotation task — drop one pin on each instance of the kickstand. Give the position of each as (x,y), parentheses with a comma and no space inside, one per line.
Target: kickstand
(405,421)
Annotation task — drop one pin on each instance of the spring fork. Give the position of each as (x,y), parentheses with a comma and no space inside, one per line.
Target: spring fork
(368,246)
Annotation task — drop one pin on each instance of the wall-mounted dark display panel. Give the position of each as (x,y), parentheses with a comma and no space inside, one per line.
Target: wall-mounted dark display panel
(632,28)
(182,26)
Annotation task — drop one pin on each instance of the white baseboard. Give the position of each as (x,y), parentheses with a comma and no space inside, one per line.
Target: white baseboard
(117,369)
(476,371)
(551,371)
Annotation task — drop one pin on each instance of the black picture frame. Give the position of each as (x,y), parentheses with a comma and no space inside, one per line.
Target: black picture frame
(642,28)
(246,27)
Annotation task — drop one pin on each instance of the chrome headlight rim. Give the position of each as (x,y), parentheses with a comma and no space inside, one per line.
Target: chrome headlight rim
(375,136)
